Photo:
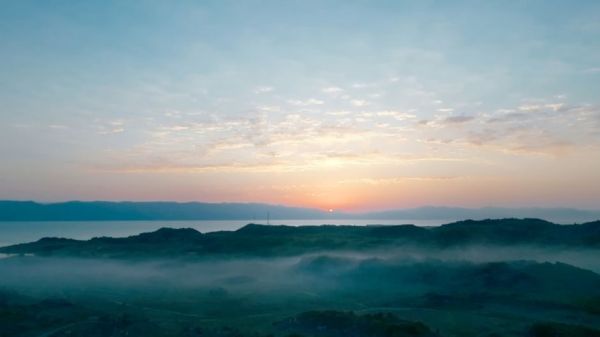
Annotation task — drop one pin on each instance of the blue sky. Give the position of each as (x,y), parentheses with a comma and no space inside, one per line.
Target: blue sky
(345,104)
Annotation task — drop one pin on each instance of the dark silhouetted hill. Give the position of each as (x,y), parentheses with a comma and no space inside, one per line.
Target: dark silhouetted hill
(262,240)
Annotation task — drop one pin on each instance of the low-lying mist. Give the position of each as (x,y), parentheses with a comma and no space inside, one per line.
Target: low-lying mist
(324,270)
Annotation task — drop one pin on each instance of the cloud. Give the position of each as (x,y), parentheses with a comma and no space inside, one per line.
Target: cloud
(332,90)
(254,143)
(483,137)
(360,85)
(508,117)
(539,127)
(173,114)
(549,146)
(398,115)
(441,121)
(541,107)
(263,89)
(359,102)
(521,140)
(264,143)
(530,112)
(395,180)
(111,127)
(458,119)
(58,126)
(593,70)
(269,108)
(290,162)
(176,128)
(167,167)
(290,139)
(306,102)
(339,113)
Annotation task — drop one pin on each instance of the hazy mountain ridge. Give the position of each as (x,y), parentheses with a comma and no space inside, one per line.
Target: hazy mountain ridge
(162,210)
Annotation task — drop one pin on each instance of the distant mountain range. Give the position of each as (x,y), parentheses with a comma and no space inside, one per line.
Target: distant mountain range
(106,210)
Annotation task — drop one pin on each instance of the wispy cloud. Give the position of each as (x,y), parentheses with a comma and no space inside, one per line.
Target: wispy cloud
(360,85)
(110,127)
(593,70)
(58,126)
(458,119)
(395,180)
(332,90)
(398,115)
(263,89)
(339,113)
(359,102)
(306,102)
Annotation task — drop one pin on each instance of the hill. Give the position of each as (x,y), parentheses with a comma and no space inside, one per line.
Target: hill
(262,240)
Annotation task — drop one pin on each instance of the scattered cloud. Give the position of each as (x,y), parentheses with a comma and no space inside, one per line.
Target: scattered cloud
(542,128)
(294,138)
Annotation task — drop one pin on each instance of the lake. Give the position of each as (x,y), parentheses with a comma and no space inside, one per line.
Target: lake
(27,231)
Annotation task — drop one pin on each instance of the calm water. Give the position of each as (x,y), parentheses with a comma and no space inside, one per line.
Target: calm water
(27,231)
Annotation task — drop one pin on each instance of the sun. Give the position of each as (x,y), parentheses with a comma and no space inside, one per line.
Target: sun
(331,210)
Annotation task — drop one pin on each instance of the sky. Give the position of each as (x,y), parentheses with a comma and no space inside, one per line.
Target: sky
(349,105)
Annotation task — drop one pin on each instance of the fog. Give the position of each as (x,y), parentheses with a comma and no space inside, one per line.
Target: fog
(324,270)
